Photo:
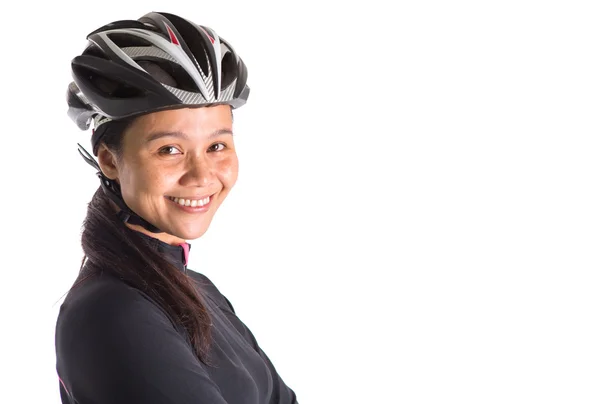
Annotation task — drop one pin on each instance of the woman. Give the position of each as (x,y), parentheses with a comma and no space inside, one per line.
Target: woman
(138,326)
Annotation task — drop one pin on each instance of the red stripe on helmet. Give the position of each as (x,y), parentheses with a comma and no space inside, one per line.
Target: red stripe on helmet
(172,35)
(212,40)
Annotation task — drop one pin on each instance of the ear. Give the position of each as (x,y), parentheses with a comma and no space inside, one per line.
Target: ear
(108,162)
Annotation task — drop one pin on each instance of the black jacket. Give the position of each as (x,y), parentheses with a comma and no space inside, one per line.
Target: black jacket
(114,345)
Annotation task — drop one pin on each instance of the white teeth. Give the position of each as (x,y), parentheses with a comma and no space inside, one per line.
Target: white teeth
(190,202)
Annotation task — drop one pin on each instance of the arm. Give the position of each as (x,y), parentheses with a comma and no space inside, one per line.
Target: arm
(282,394)
(119,348)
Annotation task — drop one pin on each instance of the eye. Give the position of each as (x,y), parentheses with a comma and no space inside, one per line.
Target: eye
(215,147)
(169,150)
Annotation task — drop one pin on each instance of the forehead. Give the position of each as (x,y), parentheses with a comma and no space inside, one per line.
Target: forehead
(194,122)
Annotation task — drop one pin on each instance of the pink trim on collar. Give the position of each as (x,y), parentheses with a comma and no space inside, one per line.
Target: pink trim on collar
(186,251)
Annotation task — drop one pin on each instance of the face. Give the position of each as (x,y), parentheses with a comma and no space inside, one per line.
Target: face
(176,168)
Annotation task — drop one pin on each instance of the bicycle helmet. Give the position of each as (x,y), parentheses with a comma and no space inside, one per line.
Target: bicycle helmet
(133,67)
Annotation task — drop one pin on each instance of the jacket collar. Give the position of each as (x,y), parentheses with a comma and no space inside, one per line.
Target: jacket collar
(178,255)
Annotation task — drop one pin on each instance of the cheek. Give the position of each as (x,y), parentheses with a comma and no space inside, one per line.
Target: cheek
(144,180)
(228,170)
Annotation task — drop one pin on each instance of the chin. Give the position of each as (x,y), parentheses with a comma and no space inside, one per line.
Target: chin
(192,236)
(190,233)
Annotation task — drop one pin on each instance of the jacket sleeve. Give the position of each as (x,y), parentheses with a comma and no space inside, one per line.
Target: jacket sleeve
(282,393)
(119,348)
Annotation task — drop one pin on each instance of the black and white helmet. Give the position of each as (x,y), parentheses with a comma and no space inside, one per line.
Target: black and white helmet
(160,61)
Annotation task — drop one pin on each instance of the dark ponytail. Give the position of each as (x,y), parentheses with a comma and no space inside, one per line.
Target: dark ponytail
(103,240)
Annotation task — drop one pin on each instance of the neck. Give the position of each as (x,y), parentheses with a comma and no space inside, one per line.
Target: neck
(164,237)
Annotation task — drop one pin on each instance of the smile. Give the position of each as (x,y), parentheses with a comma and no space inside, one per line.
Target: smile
(190,202)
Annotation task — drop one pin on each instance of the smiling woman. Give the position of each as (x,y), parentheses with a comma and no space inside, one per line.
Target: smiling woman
(139,326)
(187,154)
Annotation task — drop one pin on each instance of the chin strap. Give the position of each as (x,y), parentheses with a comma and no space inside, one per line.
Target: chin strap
(113,190)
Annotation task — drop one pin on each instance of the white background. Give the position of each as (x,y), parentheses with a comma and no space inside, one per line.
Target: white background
(417,214)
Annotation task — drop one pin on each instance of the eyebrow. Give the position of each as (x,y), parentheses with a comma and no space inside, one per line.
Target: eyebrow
(182,135)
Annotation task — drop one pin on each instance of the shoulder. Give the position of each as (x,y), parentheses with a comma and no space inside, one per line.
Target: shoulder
(209,289)
(104,303)
(115,344)
(98,291)
(104,319)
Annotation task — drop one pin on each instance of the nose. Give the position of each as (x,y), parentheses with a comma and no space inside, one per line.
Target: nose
(199,171)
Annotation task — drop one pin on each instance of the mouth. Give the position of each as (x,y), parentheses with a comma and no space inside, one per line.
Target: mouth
(193,202)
